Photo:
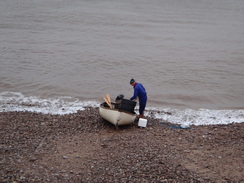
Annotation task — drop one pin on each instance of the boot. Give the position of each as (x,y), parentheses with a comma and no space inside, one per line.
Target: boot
(141,115)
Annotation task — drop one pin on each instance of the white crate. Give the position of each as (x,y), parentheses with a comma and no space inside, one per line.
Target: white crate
(142,122)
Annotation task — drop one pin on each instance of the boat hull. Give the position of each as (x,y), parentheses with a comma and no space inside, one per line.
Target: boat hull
(116,117)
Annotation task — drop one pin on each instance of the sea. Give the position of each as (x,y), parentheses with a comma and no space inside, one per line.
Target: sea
(60,56)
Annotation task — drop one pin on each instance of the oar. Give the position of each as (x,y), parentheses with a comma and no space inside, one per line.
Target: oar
(108,97)
(106,100)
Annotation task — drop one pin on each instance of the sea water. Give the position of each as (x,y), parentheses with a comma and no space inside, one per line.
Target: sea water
(60,56)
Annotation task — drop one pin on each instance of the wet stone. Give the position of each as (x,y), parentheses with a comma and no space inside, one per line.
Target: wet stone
(82,147)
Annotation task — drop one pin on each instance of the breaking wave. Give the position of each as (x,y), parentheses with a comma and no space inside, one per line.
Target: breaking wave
(15,101)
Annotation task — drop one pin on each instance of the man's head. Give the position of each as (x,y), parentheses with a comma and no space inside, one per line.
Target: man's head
(132,82)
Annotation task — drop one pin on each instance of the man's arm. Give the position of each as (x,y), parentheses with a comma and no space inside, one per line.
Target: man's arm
(135,94)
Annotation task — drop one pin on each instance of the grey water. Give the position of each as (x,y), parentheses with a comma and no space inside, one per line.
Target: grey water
(187,53)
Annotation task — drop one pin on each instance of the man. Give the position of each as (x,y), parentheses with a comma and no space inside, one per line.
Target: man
(140,92)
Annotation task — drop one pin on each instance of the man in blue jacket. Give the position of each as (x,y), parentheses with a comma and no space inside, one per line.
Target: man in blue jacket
(140,92)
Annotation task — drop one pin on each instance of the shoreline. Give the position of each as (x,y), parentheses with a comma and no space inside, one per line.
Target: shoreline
(82,147)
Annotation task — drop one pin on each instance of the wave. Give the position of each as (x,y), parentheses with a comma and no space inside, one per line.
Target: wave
(198,116)
(16,101)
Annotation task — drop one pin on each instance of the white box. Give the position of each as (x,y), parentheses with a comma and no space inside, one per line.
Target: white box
(142,122)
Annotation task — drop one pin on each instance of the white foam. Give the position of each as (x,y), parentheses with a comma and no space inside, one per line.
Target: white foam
(198,116)
(15,101)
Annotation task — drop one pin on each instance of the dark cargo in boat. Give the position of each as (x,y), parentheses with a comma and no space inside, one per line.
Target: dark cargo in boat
(127,105)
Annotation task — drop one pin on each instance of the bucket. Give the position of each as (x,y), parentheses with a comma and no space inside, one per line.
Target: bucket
(142,122)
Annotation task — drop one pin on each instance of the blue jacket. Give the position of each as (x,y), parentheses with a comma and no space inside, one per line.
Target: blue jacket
(139,91)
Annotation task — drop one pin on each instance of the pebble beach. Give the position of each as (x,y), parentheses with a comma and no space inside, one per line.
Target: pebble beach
(82,147)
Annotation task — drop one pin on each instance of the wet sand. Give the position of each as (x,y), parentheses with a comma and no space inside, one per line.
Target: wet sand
(82,147)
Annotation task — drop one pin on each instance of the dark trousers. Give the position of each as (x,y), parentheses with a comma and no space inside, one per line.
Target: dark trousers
(142,103)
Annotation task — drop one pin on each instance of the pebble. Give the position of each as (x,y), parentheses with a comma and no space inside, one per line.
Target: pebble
(129,154)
